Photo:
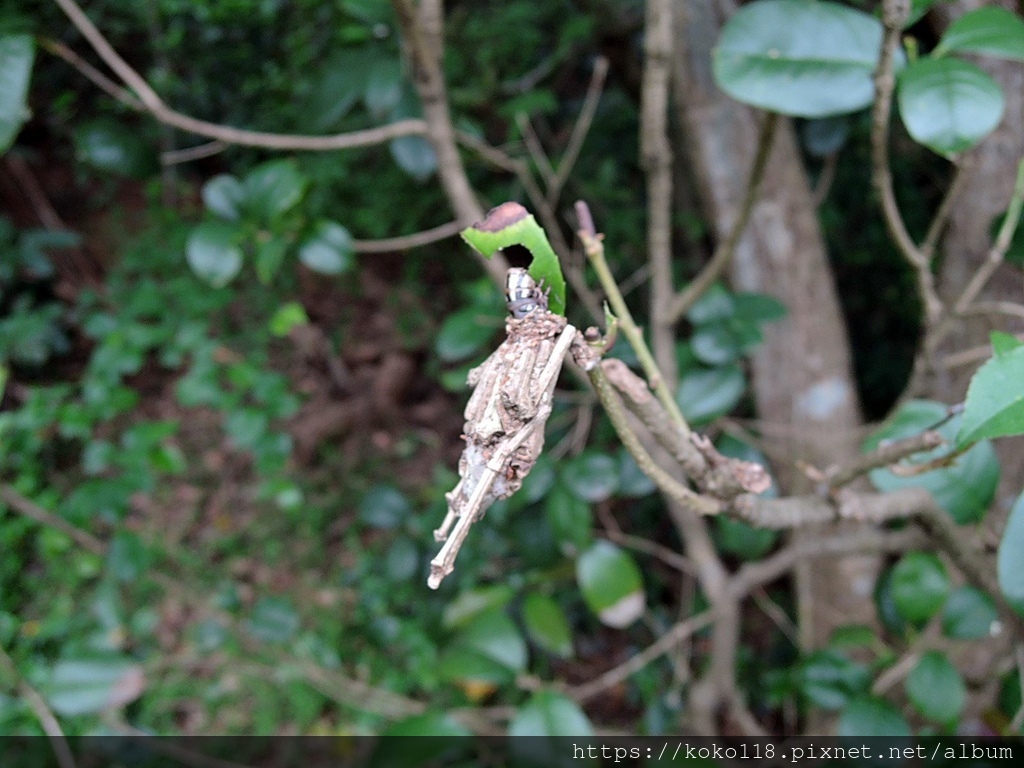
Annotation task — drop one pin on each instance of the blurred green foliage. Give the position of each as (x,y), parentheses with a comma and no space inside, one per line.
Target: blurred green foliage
(238,589)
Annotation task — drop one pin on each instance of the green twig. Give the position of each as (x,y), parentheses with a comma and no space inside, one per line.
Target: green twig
(594,248)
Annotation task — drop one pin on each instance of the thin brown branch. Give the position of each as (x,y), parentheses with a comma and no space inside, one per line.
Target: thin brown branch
(593,246)
(945,209)
(726,248)
(894,15)
(47,720)
(887,453)
(671,487)
(187,155)
(579,130)
(658,648)
(1007,308)
(970,356)
(533,146)
(149,101)
(997,252)
(28,508)
(407,242)
(656,161)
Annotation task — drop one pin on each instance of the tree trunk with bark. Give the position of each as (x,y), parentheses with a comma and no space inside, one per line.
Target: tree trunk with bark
(803,383)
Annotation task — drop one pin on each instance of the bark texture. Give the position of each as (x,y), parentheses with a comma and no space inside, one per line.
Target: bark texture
(803,383)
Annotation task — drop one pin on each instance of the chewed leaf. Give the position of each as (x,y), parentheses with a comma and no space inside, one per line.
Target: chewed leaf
(511,224)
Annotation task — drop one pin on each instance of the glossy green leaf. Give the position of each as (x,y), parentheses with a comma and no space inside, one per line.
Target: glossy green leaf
(919,8)
(633,483)
(995,398)
(742,539)
(213,253)
(888,613)
(114,147)
(546,624)
(965,487)
(384,506)
(466,605)
(948,105)
(415,156)
(969,614)
(84,686)
(327,249)
(495,636)
(1010,558)
(611,584)
(936,689)
(920,586)
(989,30)
(273,188)
(825,136)
(288,316)
(128,557)
(704,394)
(511,224)
(850,636)
(463,333)
(337,89)
(830,680)
(723,341)
(417,752)
(871,716)
(758,307)
(273,620)
(570,518)
(16,55)
(383,88)
(269,258)
(224,196)
(716,303)
(591,476)
(799,57)
(549,714)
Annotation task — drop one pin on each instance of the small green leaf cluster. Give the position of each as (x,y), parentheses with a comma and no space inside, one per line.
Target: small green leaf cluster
(817,59)
(726,327)
(260,217)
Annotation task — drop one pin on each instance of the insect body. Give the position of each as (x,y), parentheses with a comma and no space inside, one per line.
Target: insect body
(522,293)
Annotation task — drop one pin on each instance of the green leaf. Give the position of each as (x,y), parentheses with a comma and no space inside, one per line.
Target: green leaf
(384,506)
(402,559)
(546,624)
(463,333)
(288,316)
(989,30)
(936,689)
(704,394)
(84,686)
(213,253)
(495,636)
(1010,559)
(591,476)
(966,487)
(113,147)
(429,724)
(995,398)
(415,156)
(510,224)
(716,303)
(16,55)
(128,558)
(338,88)
(1004,342)
(383,87)
(549,714)
(919,586)
(948,105)
(269,257)
(918,8)
(969,614)
(611,584)
(273,188)
(327,249)
(758,307)
(417,752)
(799,57)
(830,680)
(633,483)
(471,603)
(825,136)
(273,620)
(570,519)
(742,539)
(871,716)
(224,196)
